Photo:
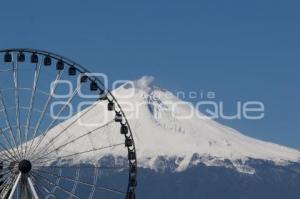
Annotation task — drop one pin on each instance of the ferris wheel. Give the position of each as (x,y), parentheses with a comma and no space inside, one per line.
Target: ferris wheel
(63,134)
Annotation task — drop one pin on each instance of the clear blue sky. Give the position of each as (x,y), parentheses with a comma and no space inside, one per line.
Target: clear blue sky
(242,50)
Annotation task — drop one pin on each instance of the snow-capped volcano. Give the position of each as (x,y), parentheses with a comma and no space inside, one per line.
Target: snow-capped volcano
(162,129)
(164,126)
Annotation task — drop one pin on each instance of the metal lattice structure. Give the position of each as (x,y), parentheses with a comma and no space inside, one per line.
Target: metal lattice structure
(46,151)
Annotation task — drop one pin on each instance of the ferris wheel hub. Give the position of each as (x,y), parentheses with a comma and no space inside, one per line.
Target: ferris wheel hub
(25,166)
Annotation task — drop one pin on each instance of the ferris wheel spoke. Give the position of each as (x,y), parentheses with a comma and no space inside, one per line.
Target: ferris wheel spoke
(5,170)
(8,148)
(32,188)
(6,151)
(49,99)
(39,192)
(75,92)
(51,183)
(32,99)
(108,189)
(5,177)
(42,185)
(68,126)
(15,184)
(6,157)
(15,148)
(57,181)
(6,186)
(17,102)
(4,173)
(48,145)
(45,160)
(38,183)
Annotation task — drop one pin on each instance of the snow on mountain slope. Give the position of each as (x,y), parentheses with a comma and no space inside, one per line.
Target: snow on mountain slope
(160,132)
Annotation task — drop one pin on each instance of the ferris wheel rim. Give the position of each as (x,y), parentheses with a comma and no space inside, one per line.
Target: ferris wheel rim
(81,69)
